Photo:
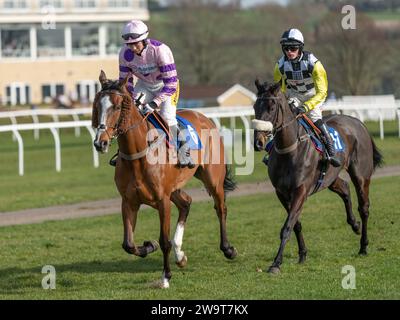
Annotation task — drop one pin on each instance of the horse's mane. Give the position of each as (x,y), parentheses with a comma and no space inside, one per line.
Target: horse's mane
(125,111)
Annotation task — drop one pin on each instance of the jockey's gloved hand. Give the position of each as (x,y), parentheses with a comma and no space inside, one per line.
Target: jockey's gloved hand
(301,109)
(294,102)
(149,107)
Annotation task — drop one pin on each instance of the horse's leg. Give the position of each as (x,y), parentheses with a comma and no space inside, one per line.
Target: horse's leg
(297,229)
(214,183)
(219,205)
(129,216)
(164,210)
(297,201)
(341,187)
(362,188)
(182,201)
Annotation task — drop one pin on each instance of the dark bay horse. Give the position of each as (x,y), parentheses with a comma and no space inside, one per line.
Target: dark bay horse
(294,164)
(140,181)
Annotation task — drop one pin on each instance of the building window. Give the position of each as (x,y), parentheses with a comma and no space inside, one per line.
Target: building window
(15,43)
(18,93)
(86,90)
(113,38)
(85,40)
(50,43)
(50,91)
(119,3)
(51,3)
(85,3)
(14,4)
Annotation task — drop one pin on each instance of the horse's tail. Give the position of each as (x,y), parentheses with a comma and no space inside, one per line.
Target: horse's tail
(377,155)
(229,180)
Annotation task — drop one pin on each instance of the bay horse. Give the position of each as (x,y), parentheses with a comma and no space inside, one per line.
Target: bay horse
(140,181)
(294,165)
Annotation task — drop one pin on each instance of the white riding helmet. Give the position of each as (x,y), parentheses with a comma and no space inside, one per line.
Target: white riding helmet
(292,37)
(134,31)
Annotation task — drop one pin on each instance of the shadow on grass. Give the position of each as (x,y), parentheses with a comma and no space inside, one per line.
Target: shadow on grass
(14,280)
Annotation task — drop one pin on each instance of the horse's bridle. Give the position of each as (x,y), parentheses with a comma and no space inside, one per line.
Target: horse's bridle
(116,127)
(282,125)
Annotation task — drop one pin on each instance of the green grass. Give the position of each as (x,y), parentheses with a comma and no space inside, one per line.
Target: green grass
(91,264)
(42,186)
(385,15)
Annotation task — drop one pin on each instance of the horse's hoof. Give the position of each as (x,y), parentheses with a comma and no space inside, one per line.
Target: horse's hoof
(231,253)
(363,252)
(182,263)
(274,270)
(159,284)
(356,228)
(302,259)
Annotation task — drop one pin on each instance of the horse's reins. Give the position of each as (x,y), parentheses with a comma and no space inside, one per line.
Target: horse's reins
(142,153)
(283,126)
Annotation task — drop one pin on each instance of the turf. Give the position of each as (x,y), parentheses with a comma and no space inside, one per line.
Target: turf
(90,263)
(78,181)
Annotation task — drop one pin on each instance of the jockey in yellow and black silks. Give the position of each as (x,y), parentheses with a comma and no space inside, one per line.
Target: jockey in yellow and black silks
(303,78)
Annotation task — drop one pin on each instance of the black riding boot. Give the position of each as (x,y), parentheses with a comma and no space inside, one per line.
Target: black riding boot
(113,160)
(184,159)
(327,140)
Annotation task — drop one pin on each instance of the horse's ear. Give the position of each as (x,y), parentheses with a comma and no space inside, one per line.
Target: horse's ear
(122,83)
(258,85)
(102,77)
(276,87)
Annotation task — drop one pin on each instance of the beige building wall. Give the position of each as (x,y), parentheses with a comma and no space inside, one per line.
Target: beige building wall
(237,99)
(66,72)
(35,70)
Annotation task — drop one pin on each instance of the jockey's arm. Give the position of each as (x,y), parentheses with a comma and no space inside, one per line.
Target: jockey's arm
(278,77)
(166,65)
(124,71)
(320,84)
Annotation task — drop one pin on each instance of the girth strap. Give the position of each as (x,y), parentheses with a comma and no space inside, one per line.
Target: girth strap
(144,152)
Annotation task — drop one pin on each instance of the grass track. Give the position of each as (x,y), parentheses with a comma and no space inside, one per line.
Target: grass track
(78,181)
(91,264)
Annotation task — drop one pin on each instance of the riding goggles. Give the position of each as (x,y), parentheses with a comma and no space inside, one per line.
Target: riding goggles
(132,36)
(291,48)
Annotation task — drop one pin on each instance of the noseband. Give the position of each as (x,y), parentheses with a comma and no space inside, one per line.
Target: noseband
(282,125)
(116,127)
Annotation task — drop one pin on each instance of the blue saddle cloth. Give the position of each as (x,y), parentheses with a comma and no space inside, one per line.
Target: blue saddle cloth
(318,145)
(186,127)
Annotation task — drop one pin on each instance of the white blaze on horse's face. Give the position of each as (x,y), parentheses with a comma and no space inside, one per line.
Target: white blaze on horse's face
(105,104)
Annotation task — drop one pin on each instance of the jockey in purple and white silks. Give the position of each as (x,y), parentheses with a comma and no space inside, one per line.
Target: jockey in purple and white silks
(152,64)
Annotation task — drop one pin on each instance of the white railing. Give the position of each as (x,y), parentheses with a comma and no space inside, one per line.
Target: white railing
(53,126)
(356,107)
(54,113)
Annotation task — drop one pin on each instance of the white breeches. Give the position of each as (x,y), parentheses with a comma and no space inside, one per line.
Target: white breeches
(167,108)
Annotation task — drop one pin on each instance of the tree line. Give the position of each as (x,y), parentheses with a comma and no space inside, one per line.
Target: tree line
(216,44)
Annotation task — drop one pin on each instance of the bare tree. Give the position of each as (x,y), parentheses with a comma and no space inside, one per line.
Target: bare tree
(353,58)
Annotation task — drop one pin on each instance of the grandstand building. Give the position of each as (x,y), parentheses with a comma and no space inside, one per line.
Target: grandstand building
(55,47)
